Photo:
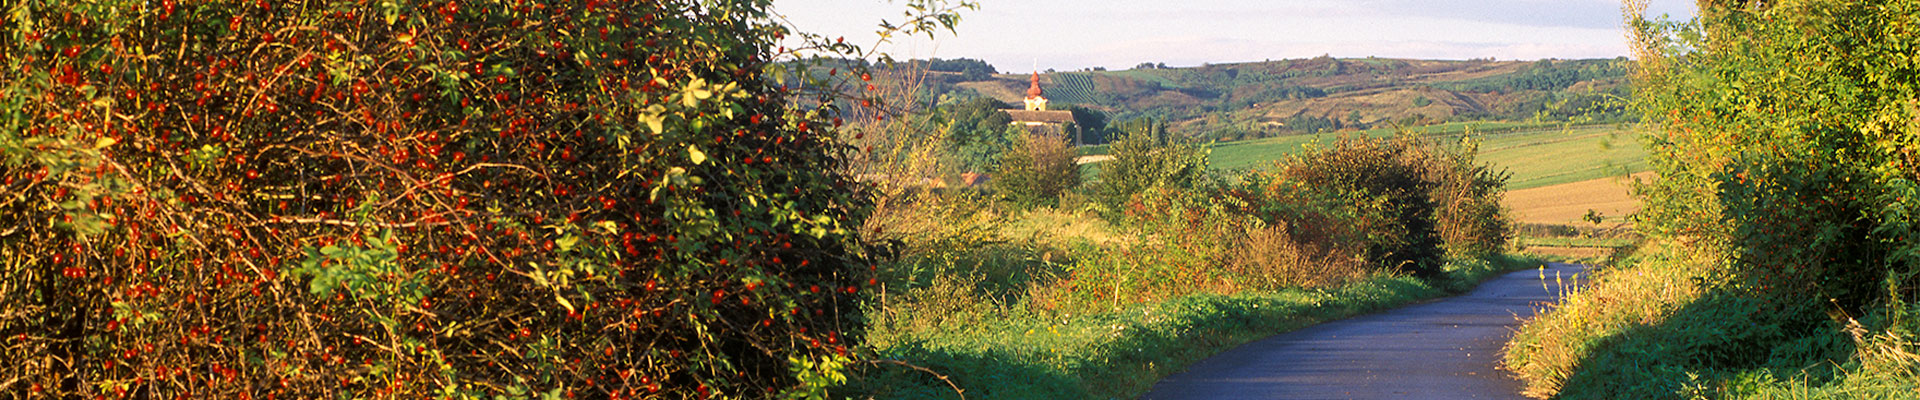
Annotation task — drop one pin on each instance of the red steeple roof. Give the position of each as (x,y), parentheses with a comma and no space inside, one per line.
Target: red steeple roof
(1034,90)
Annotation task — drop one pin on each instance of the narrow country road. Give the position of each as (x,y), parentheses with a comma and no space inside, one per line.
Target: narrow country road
(1443,349)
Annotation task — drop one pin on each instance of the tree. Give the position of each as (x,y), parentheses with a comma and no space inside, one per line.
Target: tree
(1091,123)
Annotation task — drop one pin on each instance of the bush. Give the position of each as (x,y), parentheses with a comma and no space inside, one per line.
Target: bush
(1386,181)
(1413,204)
(1469,215)
(1037,170)
(460,199)
(1145,157)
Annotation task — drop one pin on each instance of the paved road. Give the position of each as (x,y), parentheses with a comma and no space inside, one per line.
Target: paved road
(1443,349)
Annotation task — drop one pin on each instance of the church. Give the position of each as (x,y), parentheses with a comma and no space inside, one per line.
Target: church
(1037,119)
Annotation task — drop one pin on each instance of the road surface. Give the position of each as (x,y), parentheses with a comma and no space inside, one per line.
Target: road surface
(1443,349)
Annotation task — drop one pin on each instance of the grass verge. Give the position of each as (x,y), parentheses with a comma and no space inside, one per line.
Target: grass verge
(1657,327)
(995,349)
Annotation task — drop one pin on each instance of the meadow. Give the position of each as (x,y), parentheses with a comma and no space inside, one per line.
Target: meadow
(1536,154)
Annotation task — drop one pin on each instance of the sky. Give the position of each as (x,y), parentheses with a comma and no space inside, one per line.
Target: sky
(1024,35)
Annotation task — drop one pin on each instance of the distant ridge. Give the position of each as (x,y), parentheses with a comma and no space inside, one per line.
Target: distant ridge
(1270,98)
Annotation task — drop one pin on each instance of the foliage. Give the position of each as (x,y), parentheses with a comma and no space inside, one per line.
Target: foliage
(389,199)
(1783,134)
(1036,170)
(999,300)
(1386,183)
(998,343)
(1467,198)
(1547,75)
(976,130)
(1092,122)
(969,69)
(1147,157)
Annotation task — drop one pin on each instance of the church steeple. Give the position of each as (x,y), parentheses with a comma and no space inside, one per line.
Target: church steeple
(1036,99)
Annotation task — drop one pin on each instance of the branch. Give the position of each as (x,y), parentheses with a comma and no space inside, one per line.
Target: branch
(936,375)
(352,224)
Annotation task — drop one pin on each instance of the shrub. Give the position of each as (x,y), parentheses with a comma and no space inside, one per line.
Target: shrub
(1413,203)
(1145,157)
(388,200)
(1386,180)
(1037,170)
(1468,214)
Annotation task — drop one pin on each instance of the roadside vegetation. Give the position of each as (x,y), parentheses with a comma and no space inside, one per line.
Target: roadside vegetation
(643,200)
(1781,259)
(1020,289)
(461,199)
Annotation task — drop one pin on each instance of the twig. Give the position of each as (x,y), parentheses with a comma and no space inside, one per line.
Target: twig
(936,375)
(352,224)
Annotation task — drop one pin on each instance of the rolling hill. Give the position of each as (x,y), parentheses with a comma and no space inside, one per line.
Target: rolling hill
(1276,98)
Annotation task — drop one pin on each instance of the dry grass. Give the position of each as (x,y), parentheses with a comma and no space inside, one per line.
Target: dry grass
(1548,348)
(1273,256)
(1063,228)
(1567,203)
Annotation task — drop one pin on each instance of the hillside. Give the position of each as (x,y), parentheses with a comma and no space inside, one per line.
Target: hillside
(1272,98)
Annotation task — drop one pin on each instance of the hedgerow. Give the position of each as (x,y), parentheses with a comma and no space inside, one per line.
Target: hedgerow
(1784,137)
(399,199)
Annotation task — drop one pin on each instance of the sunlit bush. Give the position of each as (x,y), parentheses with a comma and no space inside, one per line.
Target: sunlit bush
(402,200)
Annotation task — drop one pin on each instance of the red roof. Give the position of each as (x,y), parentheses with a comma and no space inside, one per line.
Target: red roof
(1034,90)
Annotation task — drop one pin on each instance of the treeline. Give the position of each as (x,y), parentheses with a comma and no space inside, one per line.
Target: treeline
(1546,75)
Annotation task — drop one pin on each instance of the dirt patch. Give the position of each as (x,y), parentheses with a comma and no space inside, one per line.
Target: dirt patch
(1567,203)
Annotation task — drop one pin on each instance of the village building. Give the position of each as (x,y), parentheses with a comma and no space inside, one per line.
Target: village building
(1037,119)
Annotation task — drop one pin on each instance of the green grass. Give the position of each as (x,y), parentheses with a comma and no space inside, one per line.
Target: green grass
(1537,155)
(1554,156)
(1005,353)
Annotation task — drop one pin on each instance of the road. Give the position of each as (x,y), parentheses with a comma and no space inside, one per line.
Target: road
(1443,349)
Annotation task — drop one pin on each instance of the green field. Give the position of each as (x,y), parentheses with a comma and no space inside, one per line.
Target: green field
(1537,155)
(1556,156)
